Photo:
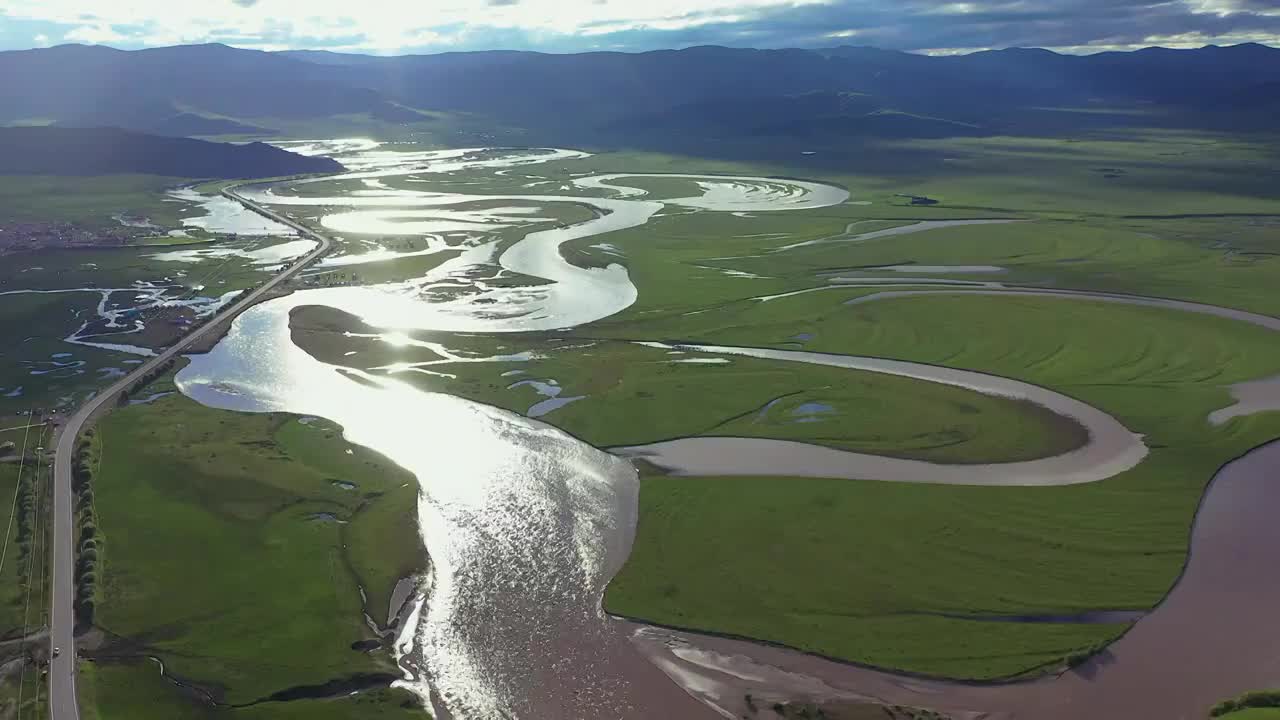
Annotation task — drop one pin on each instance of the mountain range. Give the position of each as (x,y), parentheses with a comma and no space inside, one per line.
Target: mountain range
(646,98)
(105,151)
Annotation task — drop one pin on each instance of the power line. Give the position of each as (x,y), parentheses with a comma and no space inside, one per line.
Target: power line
(44,590)
(22,460)
(31,560)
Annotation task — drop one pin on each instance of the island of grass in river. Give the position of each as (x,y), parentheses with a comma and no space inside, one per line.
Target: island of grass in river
(623,394)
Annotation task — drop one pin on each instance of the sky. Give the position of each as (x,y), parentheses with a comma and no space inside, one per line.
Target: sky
(404,26)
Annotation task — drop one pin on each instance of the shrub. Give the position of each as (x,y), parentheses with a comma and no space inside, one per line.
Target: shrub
(1265,699)
(85,611)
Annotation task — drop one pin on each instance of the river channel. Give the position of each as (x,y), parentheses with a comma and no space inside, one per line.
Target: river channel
(524,524)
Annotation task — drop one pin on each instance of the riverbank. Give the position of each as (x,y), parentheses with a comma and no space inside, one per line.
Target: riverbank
(1208,628)
(297,537)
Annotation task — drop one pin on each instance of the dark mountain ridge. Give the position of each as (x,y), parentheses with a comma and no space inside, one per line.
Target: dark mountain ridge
(106,151)
(610,97)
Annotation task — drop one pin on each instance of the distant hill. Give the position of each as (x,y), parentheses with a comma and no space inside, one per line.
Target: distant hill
(93,86)
(811,116)
(105,151)
(188,124)
(610,98)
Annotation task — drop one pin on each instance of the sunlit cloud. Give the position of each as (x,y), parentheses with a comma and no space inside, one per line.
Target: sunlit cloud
(393,26)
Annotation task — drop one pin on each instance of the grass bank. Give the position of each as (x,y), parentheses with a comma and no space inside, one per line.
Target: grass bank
(237,546)
(123,691)
(885,574)
(627,394)
(91,201)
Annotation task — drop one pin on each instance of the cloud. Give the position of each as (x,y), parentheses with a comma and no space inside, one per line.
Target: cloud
(574,25)
(94,34)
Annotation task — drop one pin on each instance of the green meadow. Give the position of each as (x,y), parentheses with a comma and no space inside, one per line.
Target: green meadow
(13,573)
(632,395)
(121,691)
(24,535)
(884,573)
(89,201)
(235,548)
(35,324)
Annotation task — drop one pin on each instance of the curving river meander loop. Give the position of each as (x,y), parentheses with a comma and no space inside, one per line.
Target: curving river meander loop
(525,524)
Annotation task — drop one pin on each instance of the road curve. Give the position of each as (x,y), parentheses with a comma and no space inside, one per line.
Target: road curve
(63,704)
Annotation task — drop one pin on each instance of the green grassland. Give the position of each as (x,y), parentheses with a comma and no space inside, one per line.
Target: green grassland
(12,587)
(23,594)
(387,271)
(1249,706)
(234,554)
(1155,173)
(1226,261)
(875,572)
(35,325)
(635,395)
(23,525)
(137,690)
(90,201)
(1219,261)
(31,701)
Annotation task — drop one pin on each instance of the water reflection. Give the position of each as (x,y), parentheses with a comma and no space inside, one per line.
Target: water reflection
(223,215)
(525,525)
(506,617)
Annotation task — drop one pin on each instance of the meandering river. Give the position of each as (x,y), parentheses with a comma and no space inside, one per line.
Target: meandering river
(525,524)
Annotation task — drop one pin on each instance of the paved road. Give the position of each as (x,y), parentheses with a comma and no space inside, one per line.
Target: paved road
(62,674)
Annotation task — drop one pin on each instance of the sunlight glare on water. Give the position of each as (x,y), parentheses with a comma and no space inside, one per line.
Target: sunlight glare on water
(524,524)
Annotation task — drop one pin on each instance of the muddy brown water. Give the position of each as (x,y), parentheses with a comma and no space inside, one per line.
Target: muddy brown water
(1110,449)
(1213,637)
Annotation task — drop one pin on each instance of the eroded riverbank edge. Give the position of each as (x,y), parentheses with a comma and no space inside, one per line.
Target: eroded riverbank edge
(1222,638)
(1202,609)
